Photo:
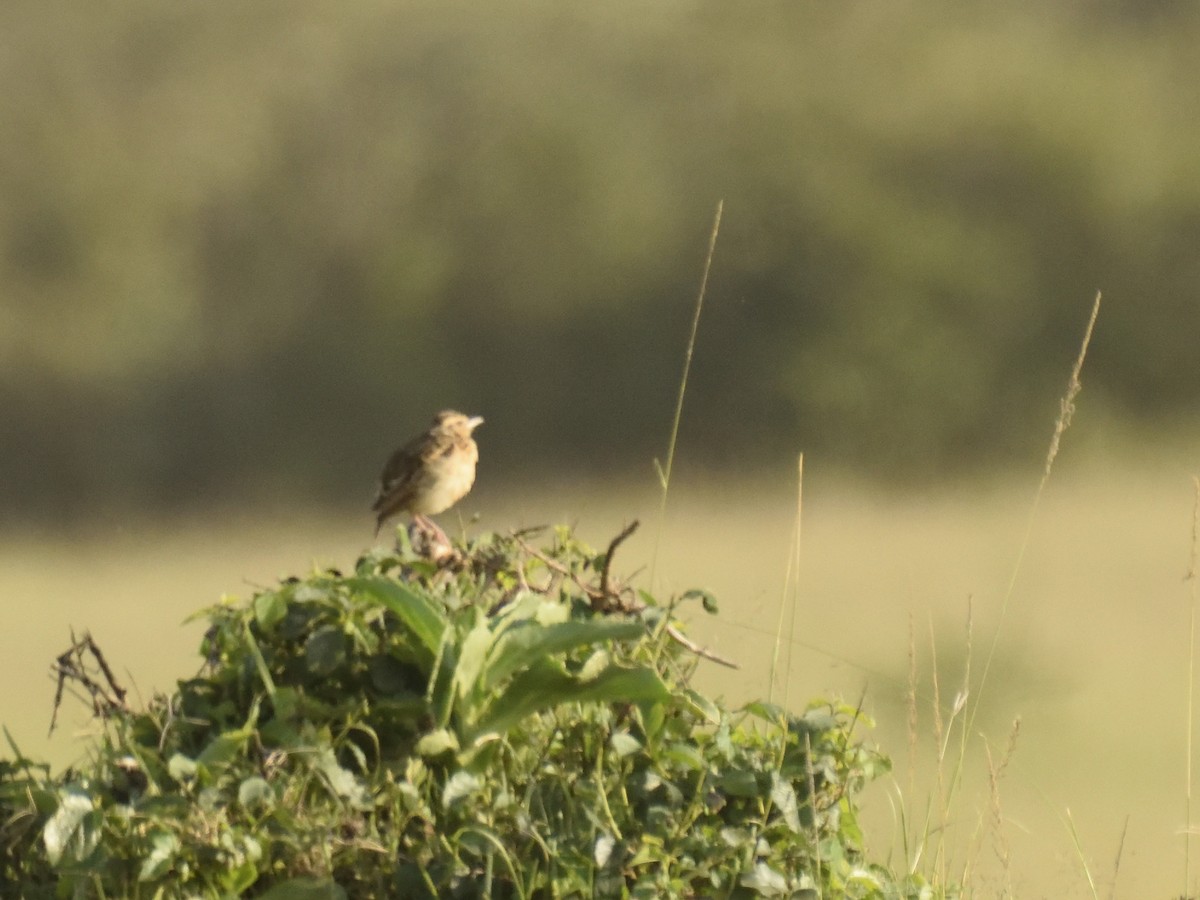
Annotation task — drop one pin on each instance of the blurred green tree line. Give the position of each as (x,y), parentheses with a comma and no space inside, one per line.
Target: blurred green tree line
(248,248)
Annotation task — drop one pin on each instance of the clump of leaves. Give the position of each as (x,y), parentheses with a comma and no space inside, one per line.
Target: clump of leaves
(512,725)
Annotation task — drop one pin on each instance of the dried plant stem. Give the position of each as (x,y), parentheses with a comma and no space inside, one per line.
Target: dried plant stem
(910,697)
(1194,594)
(1074,386)
(1066,413)
(996,771)
(1112,893)
(939,736)
(664,472)
(1087,872)
(791,596)
(812,793)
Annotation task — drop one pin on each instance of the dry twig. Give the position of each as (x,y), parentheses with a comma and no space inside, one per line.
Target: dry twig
(94,676)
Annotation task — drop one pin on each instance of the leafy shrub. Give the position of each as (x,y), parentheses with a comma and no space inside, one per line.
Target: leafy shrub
(510,725)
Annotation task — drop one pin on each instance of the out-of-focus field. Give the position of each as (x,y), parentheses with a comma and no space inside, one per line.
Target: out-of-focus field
(1092,649)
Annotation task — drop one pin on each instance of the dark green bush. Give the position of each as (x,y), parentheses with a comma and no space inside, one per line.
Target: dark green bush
(514,724)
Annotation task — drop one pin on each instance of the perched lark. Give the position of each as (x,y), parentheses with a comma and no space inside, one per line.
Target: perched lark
(431,473)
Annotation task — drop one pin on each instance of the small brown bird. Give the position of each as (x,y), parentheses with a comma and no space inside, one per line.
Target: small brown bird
(431,473)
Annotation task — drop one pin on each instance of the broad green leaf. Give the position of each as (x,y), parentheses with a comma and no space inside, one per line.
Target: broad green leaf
(650,850)
(624,744)
(816,721)
(440,693)
(287,703)
(864,879)
(768,712)
(342,781)
(390,676)
(521,645)
(686,755)
(423,618)
(181,768)
(306,889)
(461,784)
(595,664)
(704,706)
(71,832)
(602,852)
(736,837)
(783,795)
(739,783)
(269,610)
(472,655)
(410,709)
(765,881)
(254,791)
(437,742)
(545,685)
(654,717)
(307,592)
(325,650)
(164,846)
(549,612)
(240,878)
(225,747)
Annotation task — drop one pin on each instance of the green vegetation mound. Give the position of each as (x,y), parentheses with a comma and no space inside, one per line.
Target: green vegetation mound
(510,723)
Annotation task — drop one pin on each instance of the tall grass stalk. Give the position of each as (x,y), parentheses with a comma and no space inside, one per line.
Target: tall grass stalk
(910,701)
(812,792)
(664,471)
(996,770)
(951,764)
(1087,872)
(1194,597)
(943,732)
(939,731)
(1112,891)
(1061,424)
(791,595)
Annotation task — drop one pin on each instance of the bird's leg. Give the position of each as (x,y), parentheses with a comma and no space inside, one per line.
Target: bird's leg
(437,541)
(438,534)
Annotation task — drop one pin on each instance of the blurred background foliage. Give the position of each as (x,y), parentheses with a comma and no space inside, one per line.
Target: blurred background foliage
(245,249)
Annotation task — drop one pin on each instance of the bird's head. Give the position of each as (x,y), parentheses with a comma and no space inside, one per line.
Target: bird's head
(451,420)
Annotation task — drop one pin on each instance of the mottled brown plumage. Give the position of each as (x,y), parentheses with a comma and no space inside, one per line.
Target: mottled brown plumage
(431,473)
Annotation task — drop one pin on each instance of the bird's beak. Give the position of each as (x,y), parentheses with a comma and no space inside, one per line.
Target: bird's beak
(474,422)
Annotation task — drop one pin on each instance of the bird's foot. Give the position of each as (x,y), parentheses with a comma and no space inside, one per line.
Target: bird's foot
(428,539)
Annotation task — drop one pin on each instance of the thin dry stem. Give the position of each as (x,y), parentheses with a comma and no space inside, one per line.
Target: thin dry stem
(791,596)
(1066,413)
(1087,872)
(665,472)
(688,644)
(796,577)
(938,735)
(1194,598)
(960,700)
(608,558)
(996,771)
(911,703)
(812,794)
(1112,891)
(943,732)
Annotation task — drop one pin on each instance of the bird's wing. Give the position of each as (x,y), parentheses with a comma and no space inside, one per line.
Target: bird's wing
(405,464)
(400,469)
